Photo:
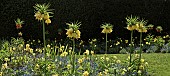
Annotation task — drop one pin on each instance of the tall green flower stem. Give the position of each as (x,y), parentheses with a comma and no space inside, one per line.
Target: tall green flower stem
(131,48)
(140,52)
(73,57)
(44,42)
(44,37)
(106,45)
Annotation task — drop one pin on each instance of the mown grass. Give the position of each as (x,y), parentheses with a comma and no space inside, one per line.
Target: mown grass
(159,63)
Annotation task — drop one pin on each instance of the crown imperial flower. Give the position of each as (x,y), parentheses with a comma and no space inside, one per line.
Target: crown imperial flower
(73,31)
(107,28)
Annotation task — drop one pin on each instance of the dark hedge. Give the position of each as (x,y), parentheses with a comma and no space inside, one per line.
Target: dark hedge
(92,13)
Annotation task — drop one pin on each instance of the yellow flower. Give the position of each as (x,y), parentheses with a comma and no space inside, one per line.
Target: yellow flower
(115,57)
(141,67)
(146,63)
(86,73)
(117,43)
(136,55)
(147,43)
(126,41)
(69,32)
(48,21)
(139,72)
(38,16)
(48,46)
(68,66)
(27,45)
(100,74)
(131,27)
(118,61)
(1,73)
(64,54)
(129,68)
(37,66)
(31,50)
(107,58)
(78,34)
(87,52)
(20,34)
(46,16)
(6,59)
(123,73)
(106,71)
(107,30)
(124,69)
(142,60)
(4,66)
(92,52)
(80,61)
(55,75)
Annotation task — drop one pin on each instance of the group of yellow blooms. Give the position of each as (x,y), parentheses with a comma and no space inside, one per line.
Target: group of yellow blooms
(133,23)
(73,31)
(42,13)
(107,28)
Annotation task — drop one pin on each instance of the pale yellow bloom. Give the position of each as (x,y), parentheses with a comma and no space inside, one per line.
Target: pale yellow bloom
(146,63)
(107,30)
(115,57)
(136,55)
(87,52)
(100,74)
(80,61)
(14,48)
(86,73)
(69,32)
(1,73)
(46,16)
(92,52)
(31,50)
(64,54)
(6,59)
(20,34)
(117,43)
(78,34)
(141,67)
(123,73)
(107,58)
(142,60)
(27,45)
(4,66)
(139,72)
(37,66)
(118,61)
(129,68)
(48,46)
(126,41)
(38,16)
(48,21)
(106,71)
(55,75)
(68,66)
(147,43)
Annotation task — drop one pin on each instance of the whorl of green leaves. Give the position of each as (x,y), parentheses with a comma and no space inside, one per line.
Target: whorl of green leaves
(19,21)
(107,25)
(132,20)
(43,8)
(74,26)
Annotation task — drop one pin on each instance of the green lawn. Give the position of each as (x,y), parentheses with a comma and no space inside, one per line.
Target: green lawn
(159,63)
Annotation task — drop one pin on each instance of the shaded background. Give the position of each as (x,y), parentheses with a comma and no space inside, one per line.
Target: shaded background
(92,13)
